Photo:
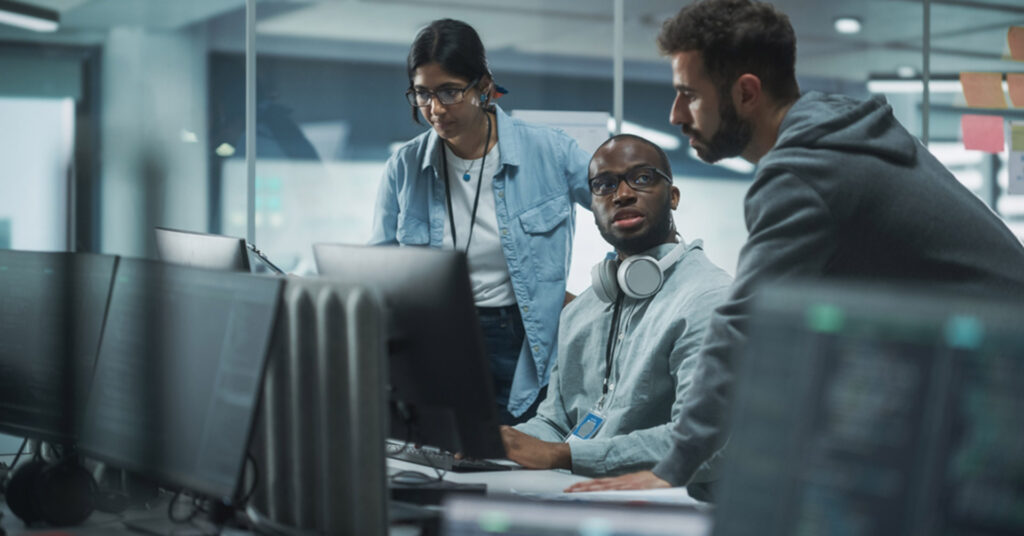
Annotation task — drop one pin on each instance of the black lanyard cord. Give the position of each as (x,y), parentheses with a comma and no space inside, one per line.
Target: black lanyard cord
(476,199)
(616,312)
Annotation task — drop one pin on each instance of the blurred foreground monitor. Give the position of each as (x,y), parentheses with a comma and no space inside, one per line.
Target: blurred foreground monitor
(864,410)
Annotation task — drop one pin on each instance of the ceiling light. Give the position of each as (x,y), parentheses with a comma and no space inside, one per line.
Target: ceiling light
(906,71)
(28,17)
(914,85)
(225,150)
(847,25)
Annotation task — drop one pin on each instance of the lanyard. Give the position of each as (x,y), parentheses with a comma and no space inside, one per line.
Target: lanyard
(476,199)
(616,313)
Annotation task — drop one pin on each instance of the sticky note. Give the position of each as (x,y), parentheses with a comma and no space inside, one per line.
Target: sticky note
(983,90)
(1015,38)
(983,132)
(1015,82)
(1016,159)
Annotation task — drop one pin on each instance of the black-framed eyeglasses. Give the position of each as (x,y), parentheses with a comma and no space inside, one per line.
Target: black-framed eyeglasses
(445,95)
(641,179)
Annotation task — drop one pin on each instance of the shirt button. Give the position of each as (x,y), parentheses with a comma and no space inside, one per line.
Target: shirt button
(622,336)
(501,195)
(526,308)
(504,231)
(536,349)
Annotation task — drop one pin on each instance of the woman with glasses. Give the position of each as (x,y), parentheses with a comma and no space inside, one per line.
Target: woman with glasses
(499,189)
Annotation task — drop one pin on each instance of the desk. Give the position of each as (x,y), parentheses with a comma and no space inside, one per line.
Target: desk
(549,484)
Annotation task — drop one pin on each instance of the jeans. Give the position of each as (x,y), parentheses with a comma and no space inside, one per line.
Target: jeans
(503,332)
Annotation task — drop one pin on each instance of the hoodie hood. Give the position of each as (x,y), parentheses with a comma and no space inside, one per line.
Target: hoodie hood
(840,123)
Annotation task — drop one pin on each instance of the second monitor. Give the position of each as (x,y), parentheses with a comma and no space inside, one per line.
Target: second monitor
(441,385)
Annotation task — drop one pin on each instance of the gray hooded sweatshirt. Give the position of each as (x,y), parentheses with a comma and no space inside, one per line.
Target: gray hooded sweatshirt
(846,193)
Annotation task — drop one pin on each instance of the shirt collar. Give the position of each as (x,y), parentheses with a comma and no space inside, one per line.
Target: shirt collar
(661,250)
(508,144)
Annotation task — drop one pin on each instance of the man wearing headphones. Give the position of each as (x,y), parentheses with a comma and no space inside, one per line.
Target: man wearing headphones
(625,349)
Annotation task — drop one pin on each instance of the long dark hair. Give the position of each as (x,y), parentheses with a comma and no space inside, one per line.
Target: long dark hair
(452,44)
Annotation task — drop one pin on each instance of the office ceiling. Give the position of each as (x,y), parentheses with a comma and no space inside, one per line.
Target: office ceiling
(965,34)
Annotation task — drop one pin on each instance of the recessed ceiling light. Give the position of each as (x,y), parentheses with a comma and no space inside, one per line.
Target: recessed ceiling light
(28,16)
(847,25)
(906,71)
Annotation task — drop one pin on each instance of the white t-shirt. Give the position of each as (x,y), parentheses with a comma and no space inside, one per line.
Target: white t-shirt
(488,271)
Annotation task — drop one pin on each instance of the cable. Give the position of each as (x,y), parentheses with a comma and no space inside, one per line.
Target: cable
(21,449)
(249,458)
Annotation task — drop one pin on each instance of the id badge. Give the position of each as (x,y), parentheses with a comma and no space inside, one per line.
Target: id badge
(588,427)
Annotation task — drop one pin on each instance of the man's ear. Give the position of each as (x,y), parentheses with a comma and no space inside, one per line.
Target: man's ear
(674,194)
(747,94)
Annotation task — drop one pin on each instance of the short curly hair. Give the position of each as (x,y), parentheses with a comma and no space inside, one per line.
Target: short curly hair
(735,37)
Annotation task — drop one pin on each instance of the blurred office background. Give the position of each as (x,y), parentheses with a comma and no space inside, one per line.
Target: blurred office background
(132,113)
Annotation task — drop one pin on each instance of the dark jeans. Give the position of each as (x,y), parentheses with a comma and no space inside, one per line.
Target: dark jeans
(503,332)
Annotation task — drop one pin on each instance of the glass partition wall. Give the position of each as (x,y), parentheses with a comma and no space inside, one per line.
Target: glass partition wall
(133,113)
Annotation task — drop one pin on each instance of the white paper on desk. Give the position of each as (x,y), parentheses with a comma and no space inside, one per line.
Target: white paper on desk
(658,496)
(1015,158)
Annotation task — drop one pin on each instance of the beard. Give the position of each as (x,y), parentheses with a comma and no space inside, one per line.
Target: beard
(733,135)
(655,235)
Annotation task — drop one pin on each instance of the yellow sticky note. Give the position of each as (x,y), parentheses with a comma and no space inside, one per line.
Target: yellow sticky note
(1015,38)
(1015,82)
(983,90)
(1017,137)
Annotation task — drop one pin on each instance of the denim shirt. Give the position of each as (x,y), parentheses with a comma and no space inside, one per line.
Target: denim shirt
(541,174)
(653,359)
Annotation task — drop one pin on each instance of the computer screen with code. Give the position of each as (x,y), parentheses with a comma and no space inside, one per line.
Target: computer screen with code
(179,373)
(52,306)
(872,411)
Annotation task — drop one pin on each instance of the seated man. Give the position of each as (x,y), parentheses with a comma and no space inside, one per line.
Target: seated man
(610,404)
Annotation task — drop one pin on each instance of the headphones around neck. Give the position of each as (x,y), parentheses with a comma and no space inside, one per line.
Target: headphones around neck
(638,277)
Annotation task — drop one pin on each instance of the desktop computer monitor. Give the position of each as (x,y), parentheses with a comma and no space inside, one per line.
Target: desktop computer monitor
(441,390)
(864,410)
(202,250)
(52,307)
(178,374)
(478,515)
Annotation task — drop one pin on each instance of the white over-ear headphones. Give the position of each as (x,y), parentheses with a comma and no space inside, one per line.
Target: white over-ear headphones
(638,277)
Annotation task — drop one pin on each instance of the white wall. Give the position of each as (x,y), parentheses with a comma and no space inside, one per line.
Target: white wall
(709,209)
(36,143)
(153,136)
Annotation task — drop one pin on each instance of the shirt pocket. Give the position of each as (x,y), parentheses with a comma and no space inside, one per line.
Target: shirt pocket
(412,231)
(548,238)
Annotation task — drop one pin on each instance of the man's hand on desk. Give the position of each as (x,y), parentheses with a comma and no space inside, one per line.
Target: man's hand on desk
(640,480)
(533,453)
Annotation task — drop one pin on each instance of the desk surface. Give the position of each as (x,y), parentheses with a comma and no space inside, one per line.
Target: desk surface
(548,484)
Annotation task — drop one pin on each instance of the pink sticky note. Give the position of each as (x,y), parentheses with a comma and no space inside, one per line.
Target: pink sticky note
(1015,38)
(983,90)
(983,133)
(1015,82)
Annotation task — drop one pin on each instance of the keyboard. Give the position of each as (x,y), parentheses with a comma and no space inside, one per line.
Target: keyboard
(442,459)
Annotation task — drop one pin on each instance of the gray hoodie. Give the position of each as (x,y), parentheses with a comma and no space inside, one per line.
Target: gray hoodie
(846,193)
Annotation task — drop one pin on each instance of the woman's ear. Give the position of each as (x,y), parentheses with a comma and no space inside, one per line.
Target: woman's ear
(486,87)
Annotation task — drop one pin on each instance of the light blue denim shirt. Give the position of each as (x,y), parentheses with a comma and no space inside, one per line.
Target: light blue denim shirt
(541,174)
(653,359)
